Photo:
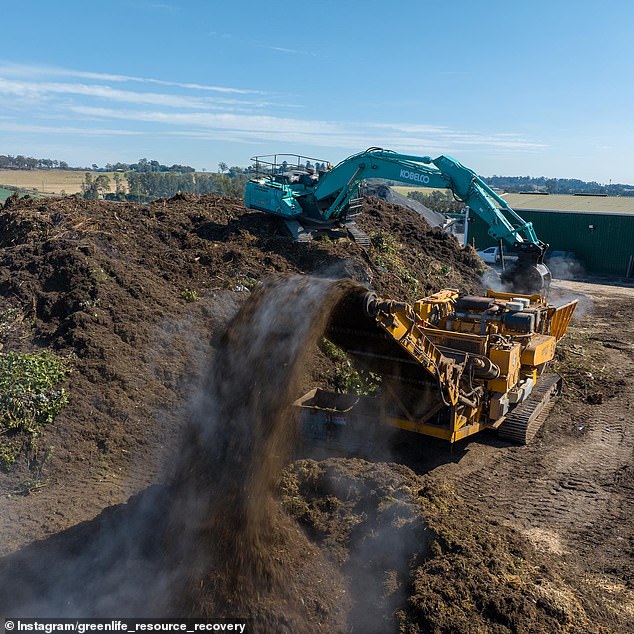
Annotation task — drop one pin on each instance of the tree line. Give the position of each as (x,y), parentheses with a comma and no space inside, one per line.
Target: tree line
(148,186)
(441,201)
(20,162)
(557,185)
(150,179)
(143,165)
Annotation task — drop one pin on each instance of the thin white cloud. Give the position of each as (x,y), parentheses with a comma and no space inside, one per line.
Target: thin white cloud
(224,120)
(289,51)
(87,102)
(313,132)
(47,129)
(39,90)
(25,70)
(36,89)
(159,6)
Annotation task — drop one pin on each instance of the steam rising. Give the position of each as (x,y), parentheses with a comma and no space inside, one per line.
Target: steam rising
(209,542)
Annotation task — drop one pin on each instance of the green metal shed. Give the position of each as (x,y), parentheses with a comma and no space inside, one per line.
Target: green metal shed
(603,242)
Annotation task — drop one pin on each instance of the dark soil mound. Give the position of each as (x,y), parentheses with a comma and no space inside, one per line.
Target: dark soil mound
(382,550)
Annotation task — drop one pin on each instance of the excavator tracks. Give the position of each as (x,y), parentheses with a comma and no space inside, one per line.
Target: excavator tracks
(357,234)
(524,421)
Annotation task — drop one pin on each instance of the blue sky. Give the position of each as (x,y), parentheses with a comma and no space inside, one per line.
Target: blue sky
(507,87)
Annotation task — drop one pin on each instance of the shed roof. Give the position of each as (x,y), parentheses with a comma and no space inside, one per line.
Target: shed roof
(568,202)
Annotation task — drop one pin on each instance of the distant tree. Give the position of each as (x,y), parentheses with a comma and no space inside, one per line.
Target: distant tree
(94,188)
(235,171)
(223,167)
(88,186)
(119,186)
(102,185)
(442,202)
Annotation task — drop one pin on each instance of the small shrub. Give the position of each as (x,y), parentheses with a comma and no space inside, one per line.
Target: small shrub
(190,295)
(248,282)
(30,397)
(384,243)
(346,378)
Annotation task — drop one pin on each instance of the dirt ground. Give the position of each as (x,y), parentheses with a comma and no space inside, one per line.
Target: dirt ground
(570,493)
(482,537)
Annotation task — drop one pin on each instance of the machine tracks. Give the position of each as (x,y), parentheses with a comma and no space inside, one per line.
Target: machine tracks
(526,419)
(570,490)
(357,234)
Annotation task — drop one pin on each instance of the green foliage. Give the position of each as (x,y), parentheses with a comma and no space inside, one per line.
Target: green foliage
(94,188)
(145,186)
(557,185)
(98,275)
(385,253)
(30,397)
(441,201)
(247,282)
(190,295)
(346,378)
(384,243)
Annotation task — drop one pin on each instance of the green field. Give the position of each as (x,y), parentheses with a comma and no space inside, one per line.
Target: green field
(404,190)
(4,194)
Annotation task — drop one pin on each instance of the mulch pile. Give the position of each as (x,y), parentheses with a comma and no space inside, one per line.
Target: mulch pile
(137,299)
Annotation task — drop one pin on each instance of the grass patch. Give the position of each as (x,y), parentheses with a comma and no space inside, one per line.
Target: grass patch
(30,397)
(4,194)
(53,181)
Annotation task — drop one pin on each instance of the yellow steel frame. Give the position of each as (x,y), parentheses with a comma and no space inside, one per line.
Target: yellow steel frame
(460,427)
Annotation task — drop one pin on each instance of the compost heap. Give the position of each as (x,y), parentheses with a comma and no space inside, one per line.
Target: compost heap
(138,298)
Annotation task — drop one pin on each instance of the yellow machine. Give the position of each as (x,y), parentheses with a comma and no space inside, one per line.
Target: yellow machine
(450,364)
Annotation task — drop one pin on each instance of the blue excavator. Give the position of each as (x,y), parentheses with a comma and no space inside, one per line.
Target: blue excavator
(310,195)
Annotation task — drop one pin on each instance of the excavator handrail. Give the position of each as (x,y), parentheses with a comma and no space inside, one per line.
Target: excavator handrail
(300,162)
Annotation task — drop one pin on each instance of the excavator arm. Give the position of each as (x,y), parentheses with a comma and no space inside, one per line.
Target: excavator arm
(340,184)
(441,172)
